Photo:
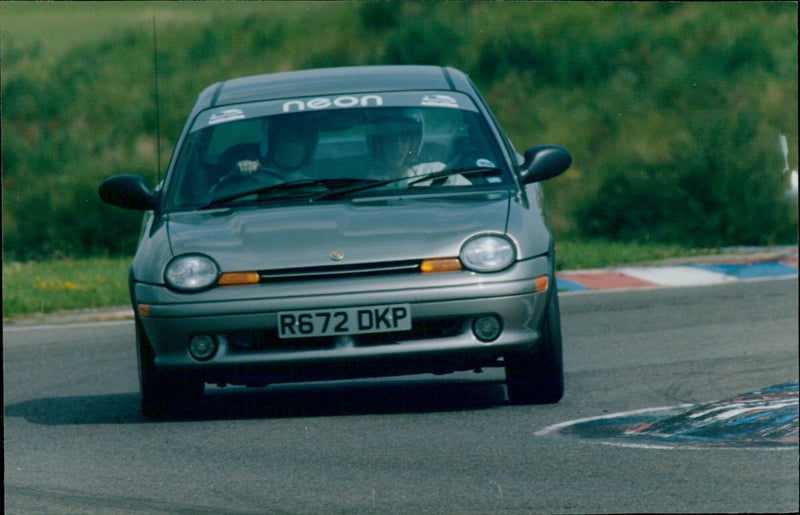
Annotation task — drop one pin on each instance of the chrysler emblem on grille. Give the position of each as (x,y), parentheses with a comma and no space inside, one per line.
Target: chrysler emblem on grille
(337,255)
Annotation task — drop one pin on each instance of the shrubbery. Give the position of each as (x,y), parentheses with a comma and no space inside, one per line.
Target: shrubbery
(724,189)
(672,111)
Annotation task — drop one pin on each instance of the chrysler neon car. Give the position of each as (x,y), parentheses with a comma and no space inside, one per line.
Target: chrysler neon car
(342,223)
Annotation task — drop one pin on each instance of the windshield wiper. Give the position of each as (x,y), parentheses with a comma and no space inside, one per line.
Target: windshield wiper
(455,171)
(266,192)
(414,179)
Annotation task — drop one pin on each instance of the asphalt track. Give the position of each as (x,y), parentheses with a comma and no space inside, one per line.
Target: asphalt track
(679,399)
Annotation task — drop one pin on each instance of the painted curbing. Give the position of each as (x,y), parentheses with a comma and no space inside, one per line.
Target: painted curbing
(690,274)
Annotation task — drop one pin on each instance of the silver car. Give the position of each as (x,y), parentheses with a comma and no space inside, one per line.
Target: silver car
(342,223)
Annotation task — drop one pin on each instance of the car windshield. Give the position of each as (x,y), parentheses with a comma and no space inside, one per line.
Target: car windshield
(324,149)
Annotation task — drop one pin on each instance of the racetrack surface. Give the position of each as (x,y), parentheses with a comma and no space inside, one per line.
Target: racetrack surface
(75,441)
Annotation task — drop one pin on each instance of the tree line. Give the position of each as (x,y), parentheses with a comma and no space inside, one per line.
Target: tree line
(672,111)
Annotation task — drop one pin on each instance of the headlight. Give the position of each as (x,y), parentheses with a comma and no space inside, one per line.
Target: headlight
(191,272)
(488,253)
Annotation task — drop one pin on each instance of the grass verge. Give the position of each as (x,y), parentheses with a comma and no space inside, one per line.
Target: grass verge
(584,254)
(50,286)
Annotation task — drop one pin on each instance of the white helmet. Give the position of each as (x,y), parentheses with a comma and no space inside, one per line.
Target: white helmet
(391,122)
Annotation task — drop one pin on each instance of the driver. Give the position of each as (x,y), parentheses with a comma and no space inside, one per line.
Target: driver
(395,141)
(286,147)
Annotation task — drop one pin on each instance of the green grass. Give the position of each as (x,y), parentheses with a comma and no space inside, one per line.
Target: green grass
(56,28)
(43,287)
(46,287)
(584,254)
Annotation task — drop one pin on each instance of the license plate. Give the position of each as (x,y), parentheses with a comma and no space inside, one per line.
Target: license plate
(335,322)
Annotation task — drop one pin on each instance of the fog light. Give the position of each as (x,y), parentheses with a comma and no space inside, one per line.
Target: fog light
(202,347)
(487,328)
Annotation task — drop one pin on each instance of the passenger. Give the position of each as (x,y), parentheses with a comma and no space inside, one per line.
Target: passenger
(395,142)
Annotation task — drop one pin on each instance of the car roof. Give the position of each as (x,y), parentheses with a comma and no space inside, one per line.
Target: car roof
(332,81)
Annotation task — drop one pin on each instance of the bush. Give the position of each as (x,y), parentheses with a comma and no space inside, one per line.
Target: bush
(725,190)
(425,41)
(671,111)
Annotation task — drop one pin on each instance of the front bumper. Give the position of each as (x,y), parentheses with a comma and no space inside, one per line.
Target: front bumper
(243,320)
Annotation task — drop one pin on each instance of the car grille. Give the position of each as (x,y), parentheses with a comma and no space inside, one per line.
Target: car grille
(268,341)
(338,271)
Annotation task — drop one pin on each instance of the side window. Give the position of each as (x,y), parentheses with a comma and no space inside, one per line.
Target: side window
(445,130)
(191,177)
(201,163)
(229,135)
(472,145)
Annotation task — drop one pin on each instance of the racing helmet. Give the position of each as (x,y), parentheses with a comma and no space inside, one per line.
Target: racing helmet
(275,128)
(391,123)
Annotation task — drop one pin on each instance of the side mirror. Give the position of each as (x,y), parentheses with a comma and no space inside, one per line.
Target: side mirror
(129,192)
(544,162)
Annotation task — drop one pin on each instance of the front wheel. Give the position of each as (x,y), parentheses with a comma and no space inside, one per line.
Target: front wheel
(162,395)
(537,377)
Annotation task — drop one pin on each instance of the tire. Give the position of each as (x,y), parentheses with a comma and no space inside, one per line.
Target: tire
(162,396)
(537,377)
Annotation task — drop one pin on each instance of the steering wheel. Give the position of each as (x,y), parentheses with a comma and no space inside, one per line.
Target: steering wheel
(271,172)
(237,177)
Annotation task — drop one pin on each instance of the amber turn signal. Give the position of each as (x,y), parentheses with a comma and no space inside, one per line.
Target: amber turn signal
(429,266)
(230,278)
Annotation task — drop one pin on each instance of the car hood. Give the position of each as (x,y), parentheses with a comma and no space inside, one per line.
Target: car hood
(364,231)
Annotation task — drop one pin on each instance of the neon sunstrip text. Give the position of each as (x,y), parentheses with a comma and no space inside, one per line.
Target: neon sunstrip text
(324,103)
